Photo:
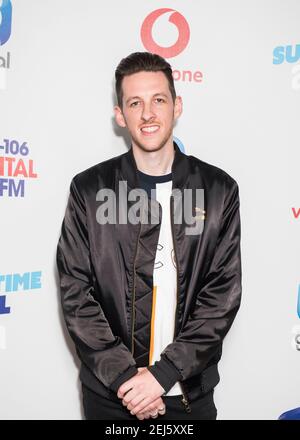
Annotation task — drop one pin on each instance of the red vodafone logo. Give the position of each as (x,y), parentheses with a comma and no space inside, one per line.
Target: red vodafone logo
(183,33)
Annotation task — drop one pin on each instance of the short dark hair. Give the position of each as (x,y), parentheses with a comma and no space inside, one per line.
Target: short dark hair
(139,62)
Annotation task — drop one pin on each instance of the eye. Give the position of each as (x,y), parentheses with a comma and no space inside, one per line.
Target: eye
(160,100)
(134,104)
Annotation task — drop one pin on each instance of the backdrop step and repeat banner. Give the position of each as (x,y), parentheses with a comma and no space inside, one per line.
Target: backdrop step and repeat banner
(236,65)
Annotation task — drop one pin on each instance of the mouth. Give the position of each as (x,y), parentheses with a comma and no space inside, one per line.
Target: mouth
(149,129)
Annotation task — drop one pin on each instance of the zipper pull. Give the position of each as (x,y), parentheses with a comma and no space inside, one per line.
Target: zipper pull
(186,404)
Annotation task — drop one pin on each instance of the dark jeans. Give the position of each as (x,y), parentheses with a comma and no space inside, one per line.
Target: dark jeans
(97,407)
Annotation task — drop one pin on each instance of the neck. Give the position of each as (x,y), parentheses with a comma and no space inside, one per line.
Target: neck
(155,163)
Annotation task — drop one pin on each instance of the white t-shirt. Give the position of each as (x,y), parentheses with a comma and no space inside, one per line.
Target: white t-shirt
(164,277)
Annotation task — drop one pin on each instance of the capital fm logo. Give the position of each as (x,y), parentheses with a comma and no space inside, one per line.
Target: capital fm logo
(16,168)
(183,33)
(174,18)
(10,284)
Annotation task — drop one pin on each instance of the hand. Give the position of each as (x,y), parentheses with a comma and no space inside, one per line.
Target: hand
(153,410)
(140,391)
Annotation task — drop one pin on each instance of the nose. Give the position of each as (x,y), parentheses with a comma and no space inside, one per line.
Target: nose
(147,112)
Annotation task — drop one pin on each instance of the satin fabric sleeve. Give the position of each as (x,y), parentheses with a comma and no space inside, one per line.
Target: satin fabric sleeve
(97,347)
(217,303)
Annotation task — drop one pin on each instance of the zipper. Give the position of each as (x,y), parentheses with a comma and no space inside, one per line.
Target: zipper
(184,399)
(133,293)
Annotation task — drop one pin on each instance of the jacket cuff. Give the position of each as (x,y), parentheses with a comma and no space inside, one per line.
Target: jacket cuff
(165,373)
(128,374)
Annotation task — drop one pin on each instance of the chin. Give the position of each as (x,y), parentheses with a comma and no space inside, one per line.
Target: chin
(151,146)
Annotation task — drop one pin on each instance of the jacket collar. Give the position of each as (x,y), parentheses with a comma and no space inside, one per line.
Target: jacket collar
(180,168)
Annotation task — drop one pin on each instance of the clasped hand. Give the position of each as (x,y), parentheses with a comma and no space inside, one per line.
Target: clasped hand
(142,395)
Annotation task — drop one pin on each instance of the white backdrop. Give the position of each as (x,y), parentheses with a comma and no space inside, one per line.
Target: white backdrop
(57,95)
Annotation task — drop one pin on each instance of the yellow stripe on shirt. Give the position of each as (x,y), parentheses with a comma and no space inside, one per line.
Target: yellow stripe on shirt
(152,325)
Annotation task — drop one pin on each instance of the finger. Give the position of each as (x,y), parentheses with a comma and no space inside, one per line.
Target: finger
(153,406)
(124,389)
(126,386)
(162,411)
(129,396)
(153,414)
(135,401)
(140,416)
(129,384)
(145,402)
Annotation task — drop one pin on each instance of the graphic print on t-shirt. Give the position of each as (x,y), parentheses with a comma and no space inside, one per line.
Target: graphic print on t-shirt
(164,283)
(164,299)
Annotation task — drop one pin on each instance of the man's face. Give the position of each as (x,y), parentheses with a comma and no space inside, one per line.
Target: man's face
(148,110)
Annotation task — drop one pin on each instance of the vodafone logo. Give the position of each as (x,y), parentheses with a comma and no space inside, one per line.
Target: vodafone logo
(149,28)
(183,33)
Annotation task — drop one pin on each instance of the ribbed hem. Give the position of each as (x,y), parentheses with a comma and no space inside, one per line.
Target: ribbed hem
(165,373)
(130,372)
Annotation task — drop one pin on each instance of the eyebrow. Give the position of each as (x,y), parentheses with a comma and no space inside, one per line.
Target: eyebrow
(138,97)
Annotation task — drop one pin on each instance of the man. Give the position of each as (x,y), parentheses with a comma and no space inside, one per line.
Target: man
(148,303)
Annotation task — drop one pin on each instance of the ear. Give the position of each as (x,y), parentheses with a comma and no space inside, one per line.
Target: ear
(119,116)
(177,107)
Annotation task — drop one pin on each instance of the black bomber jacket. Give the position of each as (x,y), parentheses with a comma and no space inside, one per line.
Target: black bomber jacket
(106,279)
